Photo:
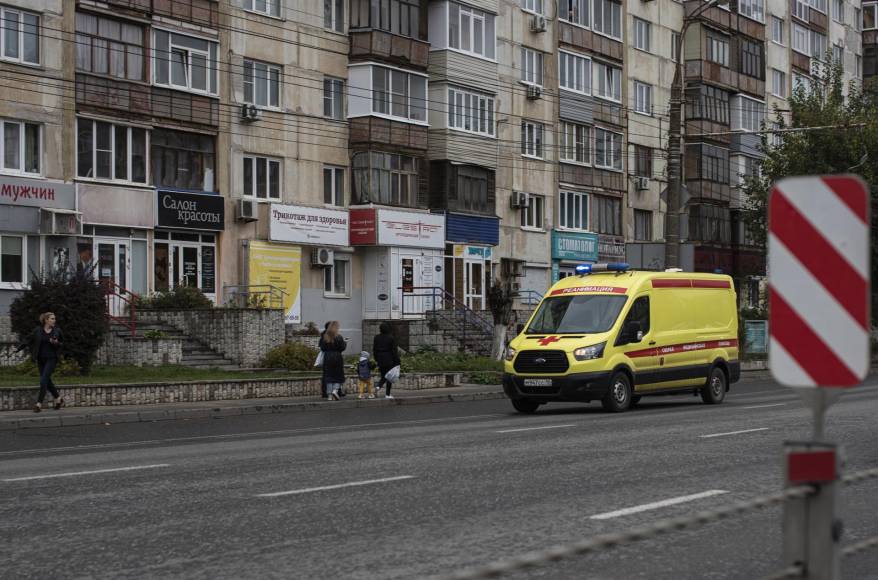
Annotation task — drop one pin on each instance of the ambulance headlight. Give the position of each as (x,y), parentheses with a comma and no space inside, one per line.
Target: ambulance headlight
(590,352)
(510,353)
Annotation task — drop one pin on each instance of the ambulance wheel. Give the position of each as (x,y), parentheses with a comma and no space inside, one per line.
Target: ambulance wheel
(714,391)
(525,406)
(618,398)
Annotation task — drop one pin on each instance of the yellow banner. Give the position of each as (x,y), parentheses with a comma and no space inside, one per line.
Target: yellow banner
(281,267)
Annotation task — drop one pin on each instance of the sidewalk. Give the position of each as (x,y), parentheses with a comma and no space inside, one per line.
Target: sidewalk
(14,420)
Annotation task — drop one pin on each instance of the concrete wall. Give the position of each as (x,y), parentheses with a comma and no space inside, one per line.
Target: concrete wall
(139,351)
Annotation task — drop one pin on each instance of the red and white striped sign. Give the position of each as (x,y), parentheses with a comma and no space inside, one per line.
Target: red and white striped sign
(818,267)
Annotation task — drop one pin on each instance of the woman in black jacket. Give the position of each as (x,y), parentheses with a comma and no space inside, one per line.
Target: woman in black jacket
(333,344)
(45,346)
(386,354)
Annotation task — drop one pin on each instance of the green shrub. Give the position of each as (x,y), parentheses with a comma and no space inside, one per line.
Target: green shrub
(155,334)
(292,356)
(431,361)
(68,367)
(310,329)
(180,298)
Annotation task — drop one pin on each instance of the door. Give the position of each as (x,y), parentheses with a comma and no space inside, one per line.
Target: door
(475,285)
(114,270)
(643,353)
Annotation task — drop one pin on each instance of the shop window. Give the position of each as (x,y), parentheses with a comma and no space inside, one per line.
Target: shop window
(385,178)
(532,139)
(607,82)
(267,7)
(608,18)
(574,72)
(185,62)
(642,225)
(182,160)
(21,147)
(531,67)
(333,186)
(333,15)
(607,215)
(470,112)
(395,16)
(532,215)
(333,98)
(336,278)
(573,210)
(575,11)
(471,30)
(12,260)
(111,152)
(109,47)
(262,84)
(19,36)
(608,149)
(262,177)
(575,143)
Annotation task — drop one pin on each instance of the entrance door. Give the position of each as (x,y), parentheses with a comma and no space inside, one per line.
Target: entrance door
(114,270)
(475,285)
(185,265)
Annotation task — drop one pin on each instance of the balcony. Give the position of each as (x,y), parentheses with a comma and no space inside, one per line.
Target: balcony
(368,131)
(202,12)
(586,176)
(584,39)
(391,48)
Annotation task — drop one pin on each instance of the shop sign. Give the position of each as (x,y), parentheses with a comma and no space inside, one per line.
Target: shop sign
(384,227)
(575,247)
(308,225)
(363,228)
(611,248)
(37,193)
(473,252)
(281,267)
(191,211)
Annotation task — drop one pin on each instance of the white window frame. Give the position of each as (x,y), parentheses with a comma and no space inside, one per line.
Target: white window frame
(800,79)
(577,68)
(612,146)
(752,9)
(583,11)
(339,260)
(4,10)
(643,98)
(94,153)
(533,135)
(252,80)
(250,6)
(337,185)
(750,114)
(336,20)
(580,199)
(821,6)
(533,217)
(838,11)
(818,52)
(799,35)
(531,66)
(611,76)
(211,64)
(16,285)
(719,45)
(838,53)
(800,9)
(389,91)
(22,147)
(674,37)
(488,21)
(268,161)
(533,6)
(460,112)
(777,30)
(642,34)
(598,29)
(336,94)
(574,143)
(779,83)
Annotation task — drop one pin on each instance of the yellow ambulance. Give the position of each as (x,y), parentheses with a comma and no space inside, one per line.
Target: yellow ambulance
(614,335)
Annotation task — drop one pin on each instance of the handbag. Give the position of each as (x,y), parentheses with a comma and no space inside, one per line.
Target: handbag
(319,361)
(393,375)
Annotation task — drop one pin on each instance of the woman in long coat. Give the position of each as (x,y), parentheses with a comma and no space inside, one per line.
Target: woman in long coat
(333,344)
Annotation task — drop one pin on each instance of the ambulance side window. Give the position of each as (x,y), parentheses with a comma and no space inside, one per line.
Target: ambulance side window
(640,313)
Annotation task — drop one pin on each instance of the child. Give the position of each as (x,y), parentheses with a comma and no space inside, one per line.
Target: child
(364,374)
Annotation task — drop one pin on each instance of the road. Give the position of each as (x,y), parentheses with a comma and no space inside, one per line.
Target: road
(414,491)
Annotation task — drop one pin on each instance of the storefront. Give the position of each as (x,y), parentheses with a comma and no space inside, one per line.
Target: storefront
(185,240)
(469,256)
(611,248)
(569,249)
(403,263)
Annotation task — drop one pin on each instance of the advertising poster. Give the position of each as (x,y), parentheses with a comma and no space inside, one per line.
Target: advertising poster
(281,267)
(308,225)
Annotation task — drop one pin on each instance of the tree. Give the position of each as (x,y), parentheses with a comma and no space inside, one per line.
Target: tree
(500,299)
(826,133)
(79,306)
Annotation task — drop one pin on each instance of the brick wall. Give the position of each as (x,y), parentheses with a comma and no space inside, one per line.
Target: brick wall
(139,351)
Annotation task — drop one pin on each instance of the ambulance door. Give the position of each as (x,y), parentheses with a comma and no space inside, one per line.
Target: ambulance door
(641,353)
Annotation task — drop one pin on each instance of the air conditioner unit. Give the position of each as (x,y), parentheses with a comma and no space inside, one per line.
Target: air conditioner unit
(515,286)
(250,113)
(520,200)
(539,23)
(534,92)
(322,257)
(641,183)
(247,210)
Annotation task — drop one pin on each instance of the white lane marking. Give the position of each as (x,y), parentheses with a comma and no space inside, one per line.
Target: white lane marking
(75,473)
(733,433)
(764,406)
(658,504)
(534,428)
(337,486)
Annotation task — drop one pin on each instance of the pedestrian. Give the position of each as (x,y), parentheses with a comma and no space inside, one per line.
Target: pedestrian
(386,355)
(333,344)
(364,375)
(45,346)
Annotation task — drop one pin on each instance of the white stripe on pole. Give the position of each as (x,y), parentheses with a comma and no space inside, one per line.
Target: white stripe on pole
(782,364)
(831,217)
(819,309)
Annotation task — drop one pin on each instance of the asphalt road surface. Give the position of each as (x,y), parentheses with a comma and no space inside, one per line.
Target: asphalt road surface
(416,491)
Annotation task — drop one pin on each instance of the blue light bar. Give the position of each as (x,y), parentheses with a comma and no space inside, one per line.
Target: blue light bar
(617,267)
(583,269)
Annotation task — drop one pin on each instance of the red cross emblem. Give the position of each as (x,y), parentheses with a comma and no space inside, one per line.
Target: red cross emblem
(549,340)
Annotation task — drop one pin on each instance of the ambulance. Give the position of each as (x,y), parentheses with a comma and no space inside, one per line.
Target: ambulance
(613,335)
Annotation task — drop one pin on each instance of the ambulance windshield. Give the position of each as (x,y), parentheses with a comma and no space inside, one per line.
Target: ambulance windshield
(577,314)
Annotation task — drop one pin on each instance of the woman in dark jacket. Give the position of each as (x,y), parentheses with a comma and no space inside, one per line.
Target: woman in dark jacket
(45,346)
(386,354)
(333,344)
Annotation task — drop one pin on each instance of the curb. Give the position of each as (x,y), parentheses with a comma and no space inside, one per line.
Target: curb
(59,419)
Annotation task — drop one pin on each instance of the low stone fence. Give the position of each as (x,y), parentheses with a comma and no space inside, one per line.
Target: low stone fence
(8,355)
(18,398)
(139,351)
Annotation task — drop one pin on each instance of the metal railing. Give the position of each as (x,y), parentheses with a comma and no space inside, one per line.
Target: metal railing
(120,305)
(254,296)
(419,300)
(528,297)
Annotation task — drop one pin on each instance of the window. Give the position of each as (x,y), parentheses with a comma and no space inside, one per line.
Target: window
(717,48)
(574,72)
(472,190)
(639,313)
(12,259)
(535,6)
(333,15)
(385,178)
(21,148)
(642,161)
(269,7)
(712,163)
(709,223)
(401,17)
(109,47)
(675,43)
(573,210)
(642,226)
(20,36)
(333,98)
(108,151)
(800,9)
(261,177)
(778,83)
(261,84)
(532,139)
(707,102)
(607,82)
(182,160)
(532,215)
(531,66)
(575,11)
(399,94)
(819,5)
(185,62)
(608,18)
(859,22)
(575,143)
(775,138)
(837,53)
(819,44)
(801,40)
(752,58)
(754,9)
(777,25)
(333,186)
(606,215)
(800,80)
(642,33)
(607,149)
(642,98)
(838,11)
(471,112)
(471,30)
(336,277)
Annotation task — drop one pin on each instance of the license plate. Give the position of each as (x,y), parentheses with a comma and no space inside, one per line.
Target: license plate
(537,382)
